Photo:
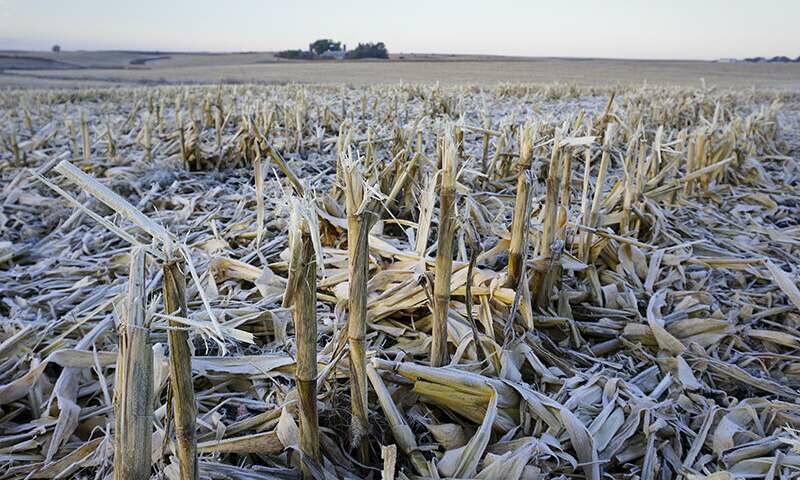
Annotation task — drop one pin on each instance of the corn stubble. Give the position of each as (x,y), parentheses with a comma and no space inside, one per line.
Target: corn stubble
(184,407)
(301,296)
(358,226)
(405,281)
(444,252)
(133,392)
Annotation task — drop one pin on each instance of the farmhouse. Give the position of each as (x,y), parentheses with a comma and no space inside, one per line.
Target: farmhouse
(334,54)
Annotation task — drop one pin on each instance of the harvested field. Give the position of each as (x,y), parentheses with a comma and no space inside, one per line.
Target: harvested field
(130,68)
(399,281)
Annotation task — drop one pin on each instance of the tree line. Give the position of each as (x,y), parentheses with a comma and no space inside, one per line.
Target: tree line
(328,48)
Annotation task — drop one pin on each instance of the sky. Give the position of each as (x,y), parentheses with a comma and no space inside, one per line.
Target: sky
(678,29)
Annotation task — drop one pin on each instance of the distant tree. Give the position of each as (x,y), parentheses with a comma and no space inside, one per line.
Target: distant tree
(780,59)
(324,45)
(369,50)
(295,55)
(56,48)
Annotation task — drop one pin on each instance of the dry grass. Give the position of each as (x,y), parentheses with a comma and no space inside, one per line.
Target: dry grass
(405,281)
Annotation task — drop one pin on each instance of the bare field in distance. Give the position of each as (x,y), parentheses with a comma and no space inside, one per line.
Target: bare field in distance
(70,69)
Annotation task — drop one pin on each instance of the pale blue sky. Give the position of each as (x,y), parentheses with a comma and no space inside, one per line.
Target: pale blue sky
(696,29)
